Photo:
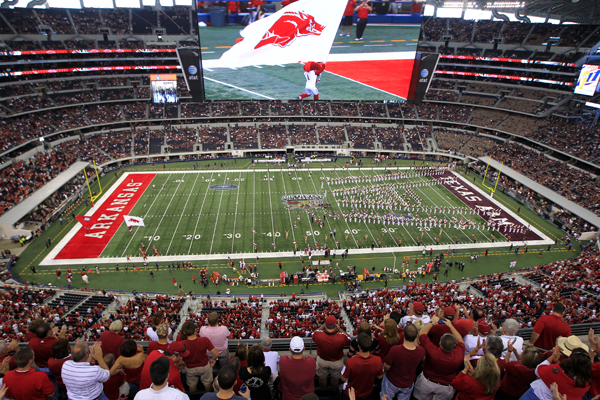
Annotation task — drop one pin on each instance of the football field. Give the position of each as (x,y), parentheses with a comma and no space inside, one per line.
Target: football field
(186,217)
(192,215)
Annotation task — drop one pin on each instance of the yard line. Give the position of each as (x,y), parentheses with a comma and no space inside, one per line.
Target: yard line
(168,205)
(289,212)
(238,88)
(386,229)
(324,212)
(309,223)
(271,205)
(182,213)
(200,213)
(236,208)
(216,222)
(365,222)
(342,212)
(145,215)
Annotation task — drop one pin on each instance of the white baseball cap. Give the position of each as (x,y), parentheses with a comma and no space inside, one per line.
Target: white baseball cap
(297,344)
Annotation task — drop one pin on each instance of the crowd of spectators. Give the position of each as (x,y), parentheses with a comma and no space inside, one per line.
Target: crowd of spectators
(243,137)
(302,134)
(273,136)
(243,318)
(289,318)
(384,321)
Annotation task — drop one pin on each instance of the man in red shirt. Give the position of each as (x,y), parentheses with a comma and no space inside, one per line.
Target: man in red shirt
(549,327)
(42,344)
(463,326)
(362,11)
(362,369)
(330,341)
(197,364)
(400,366)
(348,16)
(25,383)
(296,373)
(174,353)
(441,363)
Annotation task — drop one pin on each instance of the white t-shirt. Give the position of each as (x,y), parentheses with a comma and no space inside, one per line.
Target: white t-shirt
(518,345)
(151,333)
(410,319)
(166,393)
(272,360)
(471,343)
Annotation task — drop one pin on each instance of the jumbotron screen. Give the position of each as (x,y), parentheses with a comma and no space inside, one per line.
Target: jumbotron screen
(164,88)
(588,80)
(309,49)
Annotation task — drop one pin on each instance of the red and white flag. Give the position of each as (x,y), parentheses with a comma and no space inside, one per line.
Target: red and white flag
(133,221)
(299,32)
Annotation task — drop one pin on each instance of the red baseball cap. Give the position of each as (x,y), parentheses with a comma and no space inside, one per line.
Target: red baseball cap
(178,348)
(330,320)
(449,311)
(483,327)
(418,306)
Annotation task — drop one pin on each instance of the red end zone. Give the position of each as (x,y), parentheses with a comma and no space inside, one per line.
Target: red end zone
(106,219)
(392,76)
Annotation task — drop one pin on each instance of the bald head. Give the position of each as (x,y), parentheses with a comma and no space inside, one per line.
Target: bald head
(80,352)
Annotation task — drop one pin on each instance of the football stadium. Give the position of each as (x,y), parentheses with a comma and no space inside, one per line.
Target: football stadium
(309,199)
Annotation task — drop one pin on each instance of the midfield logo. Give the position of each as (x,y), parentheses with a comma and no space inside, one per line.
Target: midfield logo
(304,201)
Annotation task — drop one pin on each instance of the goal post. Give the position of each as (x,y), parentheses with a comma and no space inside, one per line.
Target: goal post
(492,190)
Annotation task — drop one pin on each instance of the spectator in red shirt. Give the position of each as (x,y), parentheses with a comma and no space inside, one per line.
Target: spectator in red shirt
(363,11)
(366,328)
(61,352)
(400,366)
(197,364)
(33,325)
(441,363)
(463,326)
(519,374)
(479,383)
(25,383)
(549,328)
(389,338)
(175,352)
(111,340)
(362,369)
(330,341)
(296,372)
(348,17)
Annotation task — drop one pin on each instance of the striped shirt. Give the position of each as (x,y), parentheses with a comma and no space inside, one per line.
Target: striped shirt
(83,381)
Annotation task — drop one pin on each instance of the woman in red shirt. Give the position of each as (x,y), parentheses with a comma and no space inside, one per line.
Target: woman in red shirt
(480,383)
(389,338)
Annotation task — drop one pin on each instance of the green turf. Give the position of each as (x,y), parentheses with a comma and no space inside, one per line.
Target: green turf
(287,82)
(497,261)
(189,218)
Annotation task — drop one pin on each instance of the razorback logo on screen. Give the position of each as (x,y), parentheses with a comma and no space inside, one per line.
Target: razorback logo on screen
(288,27)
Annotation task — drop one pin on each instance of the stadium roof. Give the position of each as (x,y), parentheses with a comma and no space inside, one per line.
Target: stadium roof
(583,11)
(22,209)
(577,11)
